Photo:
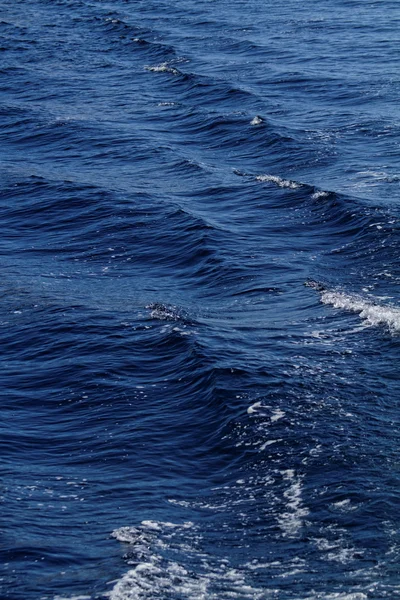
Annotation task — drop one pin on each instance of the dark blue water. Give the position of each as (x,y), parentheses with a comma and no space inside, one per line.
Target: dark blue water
(199,311)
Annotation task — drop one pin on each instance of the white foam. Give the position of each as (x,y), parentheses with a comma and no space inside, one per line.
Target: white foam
(162,68)
(131,535)
(160,525)
(254,408)
(72,597)
(319,195)
(291,521)
(337,596)
(156,577)
(345,596)
(163,312)
(183,503)
(269,443)
(263,410)
(344,505)
(336,550)
(257,120)
(288,474)
(370,313)
(277,414)
(153,580)
(283,183)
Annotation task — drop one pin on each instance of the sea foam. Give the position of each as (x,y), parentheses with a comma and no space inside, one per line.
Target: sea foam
(369,311)
(279,181)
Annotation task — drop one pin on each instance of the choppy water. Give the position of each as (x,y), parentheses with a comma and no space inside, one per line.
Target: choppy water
(199,299)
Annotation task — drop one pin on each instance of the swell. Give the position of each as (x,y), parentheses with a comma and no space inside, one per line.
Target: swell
(79,367)
(190,126)
(332,213)
(357,246)
(140,234)
(103,139)
(158,336)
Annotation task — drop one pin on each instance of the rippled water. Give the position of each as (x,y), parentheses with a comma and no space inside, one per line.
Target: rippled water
(199,299)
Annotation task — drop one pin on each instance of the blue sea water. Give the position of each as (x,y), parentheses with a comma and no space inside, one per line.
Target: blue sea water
(199,310)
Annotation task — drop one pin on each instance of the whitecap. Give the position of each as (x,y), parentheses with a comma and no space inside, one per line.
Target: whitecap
(279,181)
(369,311)
(257,120)
(162,68)
(319,195)
(163,312)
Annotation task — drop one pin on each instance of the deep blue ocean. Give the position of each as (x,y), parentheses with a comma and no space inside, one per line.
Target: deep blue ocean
(200,315)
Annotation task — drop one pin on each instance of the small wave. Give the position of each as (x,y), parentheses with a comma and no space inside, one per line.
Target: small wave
(258,290)
(279,181)
(370,312)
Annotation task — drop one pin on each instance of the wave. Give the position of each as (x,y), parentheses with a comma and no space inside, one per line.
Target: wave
(159,341)
(370,311)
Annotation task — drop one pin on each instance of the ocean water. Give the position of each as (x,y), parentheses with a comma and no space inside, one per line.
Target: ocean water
(200,317)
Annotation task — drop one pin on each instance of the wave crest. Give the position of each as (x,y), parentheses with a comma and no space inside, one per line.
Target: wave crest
(279,181)
(371,313)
